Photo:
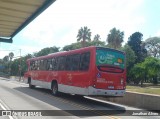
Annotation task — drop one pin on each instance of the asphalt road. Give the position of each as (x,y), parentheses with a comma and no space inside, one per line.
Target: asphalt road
(25,103)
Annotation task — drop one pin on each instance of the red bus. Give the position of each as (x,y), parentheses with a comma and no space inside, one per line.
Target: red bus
(86,71)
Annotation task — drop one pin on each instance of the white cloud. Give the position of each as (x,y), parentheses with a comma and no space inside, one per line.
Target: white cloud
(59,24)
(3,53)
(158,33)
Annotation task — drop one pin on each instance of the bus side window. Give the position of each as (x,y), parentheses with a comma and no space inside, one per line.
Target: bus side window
(61,63)
(85,61)
(75,62)
(38,64)
(33,65)
(41,65)
(44,66)
(54,64)
(72,62)
(49,64)
(68,63)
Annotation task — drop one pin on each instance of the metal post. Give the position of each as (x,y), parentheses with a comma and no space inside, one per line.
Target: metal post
(20,66)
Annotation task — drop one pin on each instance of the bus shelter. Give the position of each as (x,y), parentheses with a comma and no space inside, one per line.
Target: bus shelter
(17,14)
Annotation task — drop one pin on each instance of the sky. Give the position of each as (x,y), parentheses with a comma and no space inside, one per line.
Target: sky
(58,25)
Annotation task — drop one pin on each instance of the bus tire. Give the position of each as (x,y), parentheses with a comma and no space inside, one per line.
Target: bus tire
(78,96)
(30,85)
(54,88)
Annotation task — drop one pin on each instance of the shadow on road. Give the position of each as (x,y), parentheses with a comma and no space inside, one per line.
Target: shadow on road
(72,104)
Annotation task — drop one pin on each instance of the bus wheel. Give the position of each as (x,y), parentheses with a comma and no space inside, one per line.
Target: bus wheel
(54,89)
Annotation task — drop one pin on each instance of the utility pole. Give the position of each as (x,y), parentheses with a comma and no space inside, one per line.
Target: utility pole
(20,63)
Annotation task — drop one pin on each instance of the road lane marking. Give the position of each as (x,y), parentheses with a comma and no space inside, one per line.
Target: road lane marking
(3,106)
(113,117)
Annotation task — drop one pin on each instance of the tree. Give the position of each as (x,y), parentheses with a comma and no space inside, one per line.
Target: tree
(72,46)
(96,43)
(138,73)
(15,67)
(152,65)
(1,61)
(46,51)
(147,70)
(130,60)
(130,56)
(2,67)
(97,37)
(135,42)
(84,34)
(6,62)
(9,64)
(153,46)
(24,64)
(17,62)
(6,59)
(11,55)
(78,45)
(115,38)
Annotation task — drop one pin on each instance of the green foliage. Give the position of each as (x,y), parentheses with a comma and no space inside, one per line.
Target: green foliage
(15,67)
(19,64)
(138,73)
(72,46)
(23,63)
(97,37)
(147,70)
(130,60)
(84,34)
(6,59)
(135,42)
(115,38)
(130,56)
(7,62)
(152,66)
(96,43)
(1,61)
(46,51)
(78,45)
(153,46)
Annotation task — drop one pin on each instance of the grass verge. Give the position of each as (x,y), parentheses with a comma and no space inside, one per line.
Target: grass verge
(148,90)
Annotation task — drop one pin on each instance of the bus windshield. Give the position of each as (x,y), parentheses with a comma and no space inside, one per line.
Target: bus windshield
(110,57)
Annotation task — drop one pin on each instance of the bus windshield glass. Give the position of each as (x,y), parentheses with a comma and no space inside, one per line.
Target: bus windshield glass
(110,57)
